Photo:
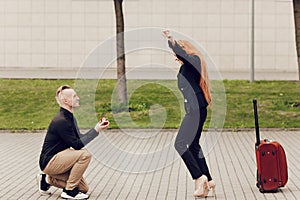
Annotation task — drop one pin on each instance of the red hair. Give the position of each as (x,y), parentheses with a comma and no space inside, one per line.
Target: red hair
(204,81)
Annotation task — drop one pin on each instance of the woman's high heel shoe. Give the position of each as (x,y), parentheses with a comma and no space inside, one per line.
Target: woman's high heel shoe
(201,186)
(211,187)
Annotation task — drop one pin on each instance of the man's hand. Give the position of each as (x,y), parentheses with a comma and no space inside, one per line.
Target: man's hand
(102,124)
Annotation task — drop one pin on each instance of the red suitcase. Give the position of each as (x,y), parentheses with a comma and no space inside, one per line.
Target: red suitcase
(271,161)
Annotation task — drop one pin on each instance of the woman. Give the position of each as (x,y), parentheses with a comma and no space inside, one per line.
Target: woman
(194,84)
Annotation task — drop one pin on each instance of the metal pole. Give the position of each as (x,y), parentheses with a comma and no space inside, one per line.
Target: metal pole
(252,44)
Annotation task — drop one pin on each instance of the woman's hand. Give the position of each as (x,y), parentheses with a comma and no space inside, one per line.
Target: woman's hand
(168,36)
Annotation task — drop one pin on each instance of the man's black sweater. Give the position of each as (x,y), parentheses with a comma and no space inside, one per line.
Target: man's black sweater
(62,134)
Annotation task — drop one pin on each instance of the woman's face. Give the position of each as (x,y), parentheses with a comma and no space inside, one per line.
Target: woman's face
(184,47)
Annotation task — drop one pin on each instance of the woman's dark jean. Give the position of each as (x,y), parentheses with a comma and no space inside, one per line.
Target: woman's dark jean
(187,142)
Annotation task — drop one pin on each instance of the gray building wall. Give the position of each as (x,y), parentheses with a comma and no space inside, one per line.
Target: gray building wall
(60,34)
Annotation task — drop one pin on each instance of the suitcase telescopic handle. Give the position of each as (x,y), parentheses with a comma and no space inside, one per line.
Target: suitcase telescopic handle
(256,122)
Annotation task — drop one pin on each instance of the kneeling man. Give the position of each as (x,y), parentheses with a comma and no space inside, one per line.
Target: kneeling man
(63,160)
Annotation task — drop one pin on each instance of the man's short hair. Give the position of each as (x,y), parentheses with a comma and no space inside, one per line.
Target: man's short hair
(58,95)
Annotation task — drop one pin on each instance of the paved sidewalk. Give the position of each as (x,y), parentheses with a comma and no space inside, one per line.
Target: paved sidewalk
(160,73)
(142,164)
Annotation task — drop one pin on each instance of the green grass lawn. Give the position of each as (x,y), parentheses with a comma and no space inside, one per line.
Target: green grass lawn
(30,104)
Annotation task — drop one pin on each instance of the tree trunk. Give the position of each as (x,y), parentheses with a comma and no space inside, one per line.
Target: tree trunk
(122,88)
(296,5)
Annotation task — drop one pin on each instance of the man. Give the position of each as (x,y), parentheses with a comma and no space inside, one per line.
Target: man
(63,158)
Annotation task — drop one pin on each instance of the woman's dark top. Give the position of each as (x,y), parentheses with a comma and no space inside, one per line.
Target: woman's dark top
(62,134)
(189,77)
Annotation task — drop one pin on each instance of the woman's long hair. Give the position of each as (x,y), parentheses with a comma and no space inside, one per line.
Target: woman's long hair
(204,81)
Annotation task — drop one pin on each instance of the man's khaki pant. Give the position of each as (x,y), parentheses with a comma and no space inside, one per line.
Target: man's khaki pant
(66,169)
